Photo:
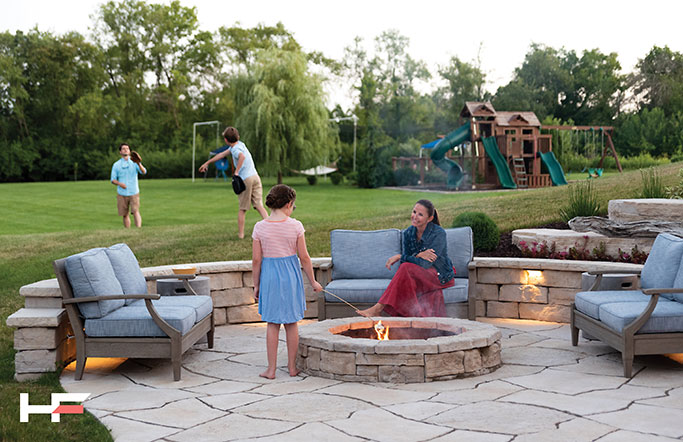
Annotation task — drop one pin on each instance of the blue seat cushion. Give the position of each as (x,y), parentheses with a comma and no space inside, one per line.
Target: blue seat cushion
(363,254)
(457,293)
(460,249)
(589,302)
(370,290)
(91,274)
(667,317)
(356,290)
(663,263)
(202,305)
(135,321)
(127,270)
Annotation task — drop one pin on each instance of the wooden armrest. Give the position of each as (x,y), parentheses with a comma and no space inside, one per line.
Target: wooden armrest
(614,272)
(326,266)
(662,290)
(108,298)
(172,276)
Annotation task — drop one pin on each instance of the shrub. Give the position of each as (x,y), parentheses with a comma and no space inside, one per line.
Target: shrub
(435,175)
(406,176)
(676,192)
(484,230)
(640,161)
(336,178)
(312,179)
(652,184)
(583,201)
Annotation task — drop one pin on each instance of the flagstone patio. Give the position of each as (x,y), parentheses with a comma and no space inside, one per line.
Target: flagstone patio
(545,390)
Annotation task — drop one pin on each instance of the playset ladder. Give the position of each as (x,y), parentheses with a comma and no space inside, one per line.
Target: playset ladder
(520,172)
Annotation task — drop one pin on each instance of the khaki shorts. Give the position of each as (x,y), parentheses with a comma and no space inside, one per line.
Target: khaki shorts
(253,194)
(127,204)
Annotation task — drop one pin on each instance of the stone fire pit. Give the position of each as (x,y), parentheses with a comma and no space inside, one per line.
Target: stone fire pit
(458,348)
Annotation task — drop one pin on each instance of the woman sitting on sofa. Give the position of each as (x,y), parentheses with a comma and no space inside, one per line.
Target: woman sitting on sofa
(425,269)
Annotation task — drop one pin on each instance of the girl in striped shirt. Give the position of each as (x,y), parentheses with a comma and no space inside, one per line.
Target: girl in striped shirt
(278,284)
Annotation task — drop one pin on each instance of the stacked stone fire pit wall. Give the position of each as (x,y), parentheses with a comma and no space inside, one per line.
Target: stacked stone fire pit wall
(525,288)
(325,353)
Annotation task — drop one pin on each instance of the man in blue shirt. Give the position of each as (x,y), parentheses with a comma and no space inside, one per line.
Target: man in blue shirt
(124,175)
(245,169)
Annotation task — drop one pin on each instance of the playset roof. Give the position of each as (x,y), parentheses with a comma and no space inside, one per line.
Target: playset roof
(517,119)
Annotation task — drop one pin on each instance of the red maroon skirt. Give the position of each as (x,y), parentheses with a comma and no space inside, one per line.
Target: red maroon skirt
(415,291)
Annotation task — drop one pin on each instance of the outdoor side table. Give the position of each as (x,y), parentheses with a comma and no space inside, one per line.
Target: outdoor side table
(175,287)
(610,281)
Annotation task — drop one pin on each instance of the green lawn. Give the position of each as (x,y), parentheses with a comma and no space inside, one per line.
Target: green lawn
(196,222)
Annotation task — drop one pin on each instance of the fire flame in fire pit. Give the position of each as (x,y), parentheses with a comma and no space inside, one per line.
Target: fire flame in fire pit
(382,331)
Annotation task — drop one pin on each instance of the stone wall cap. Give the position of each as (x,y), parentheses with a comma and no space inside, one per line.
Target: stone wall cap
(47,288)
(36,317)
(553,264)
(220,267)
(648,201)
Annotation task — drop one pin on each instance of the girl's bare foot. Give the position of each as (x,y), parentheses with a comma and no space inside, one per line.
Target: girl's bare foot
(294,371)
(375,310)
(268,374)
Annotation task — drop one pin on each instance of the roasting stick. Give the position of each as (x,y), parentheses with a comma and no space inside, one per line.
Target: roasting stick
(350,305)
(342,300)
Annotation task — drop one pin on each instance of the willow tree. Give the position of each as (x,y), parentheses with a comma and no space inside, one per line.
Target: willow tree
(282,116)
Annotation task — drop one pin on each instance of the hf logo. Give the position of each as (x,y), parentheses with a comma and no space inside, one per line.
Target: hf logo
(55,409)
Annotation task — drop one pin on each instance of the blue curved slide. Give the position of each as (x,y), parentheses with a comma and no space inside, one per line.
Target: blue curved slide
(438,155)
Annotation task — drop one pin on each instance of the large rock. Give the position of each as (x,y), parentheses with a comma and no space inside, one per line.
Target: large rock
(628,229)
(656,209)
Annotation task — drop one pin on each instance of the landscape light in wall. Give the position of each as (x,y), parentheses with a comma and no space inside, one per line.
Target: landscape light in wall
(534,277)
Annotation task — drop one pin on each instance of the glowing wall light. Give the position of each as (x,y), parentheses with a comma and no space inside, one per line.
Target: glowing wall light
(534,277)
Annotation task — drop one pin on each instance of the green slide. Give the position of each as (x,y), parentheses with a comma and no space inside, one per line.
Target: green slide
(554,169)
(504,174)
(452,169)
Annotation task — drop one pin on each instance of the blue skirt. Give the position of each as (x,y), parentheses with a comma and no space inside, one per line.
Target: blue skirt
(281,290)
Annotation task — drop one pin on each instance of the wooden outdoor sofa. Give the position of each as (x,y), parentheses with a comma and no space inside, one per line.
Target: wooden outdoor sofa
(359,275)
(112,315)
(638,322)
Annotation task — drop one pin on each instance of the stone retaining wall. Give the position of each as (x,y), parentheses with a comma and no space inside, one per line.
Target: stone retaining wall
(42,327)
(525,288)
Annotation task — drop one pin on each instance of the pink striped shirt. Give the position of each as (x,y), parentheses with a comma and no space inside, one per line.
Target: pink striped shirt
(278,238)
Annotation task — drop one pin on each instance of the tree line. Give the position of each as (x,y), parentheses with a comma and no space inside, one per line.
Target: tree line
(147,72)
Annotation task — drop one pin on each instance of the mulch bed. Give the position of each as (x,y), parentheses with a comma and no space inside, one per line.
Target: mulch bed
(505,247)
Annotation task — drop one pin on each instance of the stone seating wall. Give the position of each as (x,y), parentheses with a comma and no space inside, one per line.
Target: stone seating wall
(517,288)
(42,326)
(526,288)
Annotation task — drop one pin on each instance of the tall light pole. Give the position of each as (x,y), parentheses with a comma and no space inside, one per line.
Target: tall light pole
(355,125)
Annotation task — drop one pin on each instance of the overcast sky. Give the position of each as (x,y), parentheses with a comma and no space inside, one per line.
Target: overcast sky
(437,30)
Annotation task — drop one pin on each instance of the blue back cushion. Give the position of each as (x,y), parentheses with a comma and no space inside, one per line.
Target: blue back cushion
(91,274)
(127,270)
(460,249)
(358,254)
(678,282)
(661,266)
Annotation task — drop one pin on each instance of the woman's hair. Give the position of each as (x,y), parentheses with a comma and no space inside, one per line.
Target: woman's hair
(431,210)
(231,134)
(279,196)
